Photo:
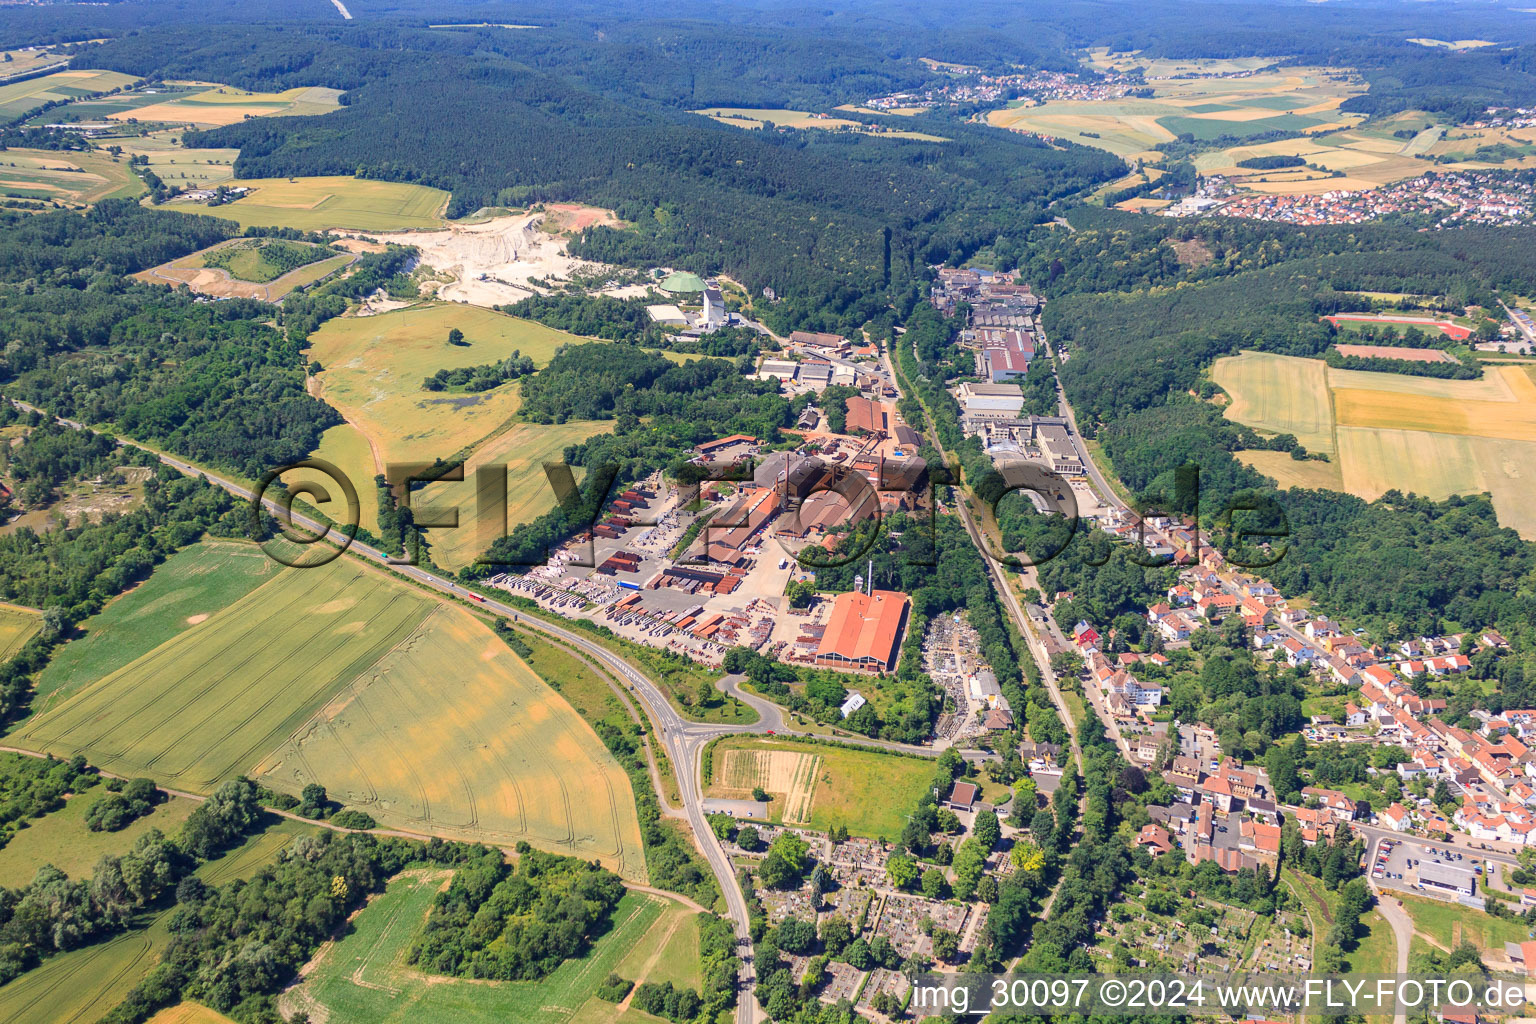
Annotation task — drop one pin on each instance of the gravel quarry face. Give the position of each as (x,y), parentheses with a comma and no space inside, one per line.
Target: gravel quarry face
(497,261)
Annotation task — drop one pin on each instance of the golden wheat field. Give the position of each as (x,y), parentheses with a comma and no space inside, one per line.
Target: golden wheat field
(1389,431)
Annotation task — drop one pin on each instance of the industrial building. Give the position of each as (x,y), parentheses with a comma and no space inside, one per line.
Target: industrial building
(830,344)
(870,416)
(780,368)
(864,633)
(991,401)
(714,309)
(1447,879)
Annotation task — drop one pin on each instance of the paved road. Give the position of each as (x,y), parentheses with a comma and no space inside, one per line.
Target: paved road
(1402,931)
(683,740)
(1461,844)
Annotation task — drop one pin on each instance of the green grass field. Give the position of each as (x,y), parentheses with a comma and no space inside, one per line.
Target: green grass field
(315,204)
(179,595)
(206,704)
(363,978)
(1438,920)
(62,839)
(19,97)
(71,178)
(80,986)
(251,259)
(17,626)
(868,791)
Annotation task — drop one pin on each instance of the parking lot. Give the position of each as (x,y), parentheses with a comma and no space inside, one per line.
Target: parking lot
(1395,863)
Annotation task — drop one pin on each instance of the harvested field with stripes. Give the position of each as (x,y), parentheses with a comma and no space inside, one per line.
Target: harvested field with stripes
(789,775)
(820,785)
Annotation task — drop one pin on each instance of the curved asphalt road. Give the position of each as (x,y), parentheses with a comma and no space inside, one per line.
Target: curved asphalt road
(684,740)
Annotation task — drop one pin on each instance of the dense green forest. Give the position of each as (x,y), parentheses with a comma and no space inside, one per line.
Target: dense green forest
(831,221)
(511,923)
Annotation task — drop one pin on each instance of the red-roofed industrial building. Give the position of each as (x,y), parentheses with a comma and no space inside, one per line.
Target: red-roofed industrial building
(864,632)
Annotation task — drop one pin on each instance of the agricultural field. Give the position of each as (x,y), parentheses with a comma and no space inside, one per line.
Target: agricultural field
(374,366)
(61,838)
(182,593)
(1168,67)
(1280,394)
(189,1013)
(1299,99)
(19,97)
(522,449)
(373,369)
(482,752)
(1287,472)
(344,447)
(71,178)
(863,789)
(1462,144)
(80,986)
(1368,156)
(465,753)
(364,979)
(225,104)
(1389,431)
(242,268)
(1457,44)
(187,713)
(790,775)
(176,165)
(26,61)
(98,109)
(17,626)
(317,204)
(753,118)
